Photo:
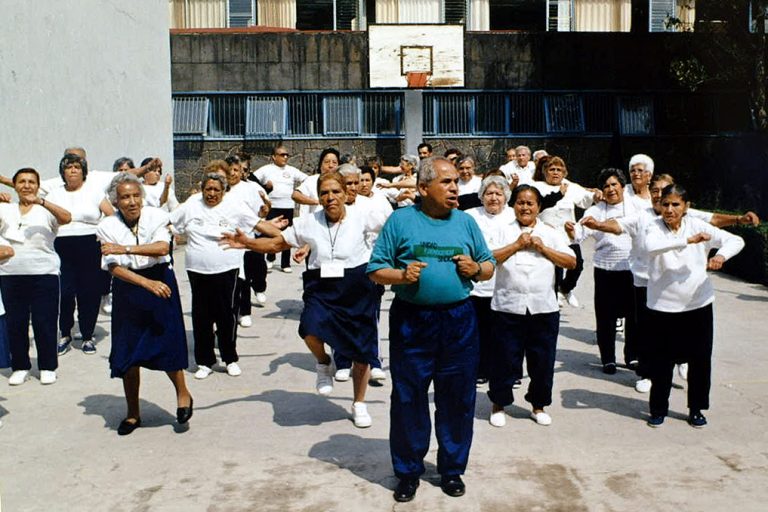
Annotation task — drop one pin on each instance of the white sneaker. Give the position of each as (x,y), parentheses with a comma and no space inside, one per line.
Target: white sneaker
(47,377)
(342,375)
(378,374)
(619,325)
(202,372)
(541,418)
(106,303)
(246,321)
(572,300)
(643,385)
(18,377)
(233,370)
(360,415)
(560,299)
(261,298)
(682,370)
(324,383)
(287,270)
(498,419)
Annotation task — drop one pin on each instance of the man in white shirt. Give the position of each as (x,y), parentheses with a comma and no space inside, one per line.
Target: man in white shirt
(522,167)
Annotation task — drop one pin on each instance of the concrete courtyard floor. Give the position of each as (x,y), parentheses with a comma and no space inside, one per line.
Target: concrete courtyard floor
(265,441)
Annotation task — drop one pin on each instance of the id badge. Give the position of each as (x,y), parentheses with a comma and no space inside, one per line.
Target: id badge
(331,269)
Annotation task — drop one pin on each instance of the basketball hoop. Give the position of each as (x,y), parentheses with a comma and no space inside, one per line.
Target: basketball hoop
(417,78)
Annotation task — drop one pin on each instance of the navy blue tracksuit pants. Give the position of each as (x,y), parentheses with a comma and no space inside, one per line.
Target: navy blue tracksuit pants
(432,344)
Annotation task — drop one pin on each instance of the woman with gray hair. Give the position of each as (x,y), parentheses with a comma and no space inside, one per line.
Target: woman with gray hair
(469,183)
(492,217)
(213,271)
(402,190)
(147,324)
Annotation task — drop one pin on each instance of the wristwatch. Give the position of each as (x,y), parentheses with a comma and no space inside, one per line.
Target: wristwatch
(127,249)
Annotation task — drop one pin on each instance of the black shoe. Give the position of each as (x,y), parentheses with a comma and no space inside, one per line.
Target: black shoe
(696,419)
(406,489)
(609,368)
(453,486)
(655,421)
(184,413)
(126,427)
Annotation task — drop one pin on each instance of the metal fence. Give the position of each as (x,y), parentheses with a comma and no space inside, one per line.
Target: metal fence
(456,114)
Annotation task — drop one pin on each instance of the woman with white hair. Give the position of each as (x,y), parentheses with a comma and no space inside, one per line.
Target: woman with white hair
(147,324)
(492,217)
(640,173)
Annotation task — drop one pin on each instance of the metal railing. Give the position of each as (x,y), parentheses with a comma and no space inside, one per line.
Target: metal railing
(456,114)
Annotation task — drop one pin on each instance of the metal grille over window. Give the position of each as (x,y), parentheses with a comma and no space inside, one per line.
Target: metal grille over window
(241,13)
(265,116)
(227,116)
(382,114)
(661,12)
(190,116)
(564,113)
(636,115)
(342,115)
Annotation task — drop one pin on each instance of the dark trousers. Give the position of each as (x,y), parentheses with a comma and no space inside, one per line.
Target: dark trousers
(565,280)
(515,336)
(255,268)
(644,330)
(213,302)
(483,312)
(680,337)
(82,283)
(36,296)
(285,256)
(614,299)
(427,345)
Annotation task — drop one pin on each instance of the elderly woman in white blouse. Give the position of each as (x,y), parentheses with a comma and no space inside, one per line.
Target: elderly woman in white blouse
(30,280)
(212,270)
(614,290)
(339,300)
(159,191)
(147,324)
(680,297)
(82,280)
(492,217)
(526,318)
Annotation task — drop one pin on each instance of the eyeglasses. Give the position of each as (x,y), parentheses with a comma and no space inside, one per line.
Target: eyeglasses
(286,155)
(637,171)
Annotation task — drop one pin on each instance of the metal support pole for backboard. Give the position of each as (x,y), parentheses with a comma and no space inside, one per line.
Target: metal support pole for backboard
(413,126)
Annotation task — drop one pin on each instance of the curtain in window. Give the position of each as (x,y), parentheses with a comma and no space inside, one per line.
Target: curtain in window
(603,15)
(409,11)
(686,12)
(479,15)
(276,13)
(198,13)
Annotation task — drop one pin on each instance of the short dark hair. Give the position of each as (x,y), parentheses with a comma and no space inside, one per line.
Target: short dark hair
(367,169)
(70,159)
(606,174)
(522,188)
(425,145)
(676,190)
(324,153)
(146,161)
(123,160)
(26,170)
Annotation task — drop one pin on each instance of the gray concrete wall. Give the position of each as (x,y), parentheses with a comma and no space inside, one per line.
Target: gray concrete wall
(88,73)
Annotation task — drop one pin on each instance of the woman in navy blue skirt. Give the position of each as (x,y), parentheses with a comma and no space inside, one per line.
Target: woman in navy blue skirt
(340,302)
(147,324)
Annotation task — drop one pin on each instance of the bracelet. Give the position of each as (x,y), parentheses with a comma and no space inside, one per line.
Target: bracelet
(479,271)
(42,202)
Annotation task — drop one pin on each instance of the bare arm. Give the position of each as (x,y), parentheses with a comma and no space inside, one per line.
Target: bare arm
(61,215)
(502,254)
(561,259)
(157,288)
(106,208)
(391,169)
(5,180)
(407,275)
(721,220)
(166,189)
(239,240)
(6,252)
(155,249)
(608,226)
(300,198)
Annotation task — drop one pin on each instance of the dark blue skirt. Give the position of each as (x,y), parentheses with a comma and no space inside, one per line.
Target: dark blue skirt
(342,312)
(147,331)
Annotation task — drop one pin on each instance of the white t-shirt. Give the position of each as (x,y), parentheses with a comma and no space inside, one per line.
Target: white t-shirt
(246,193)
(82,204)
(284,181)
(309,188)
(343,242)
(152,227)
(525,174)
(492,227)
(629,192)
(204,226)
(97,179)
(565,209)
(470,187)
(677,270)
(526,281)
(31,236)
(152,195)
(377,208)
